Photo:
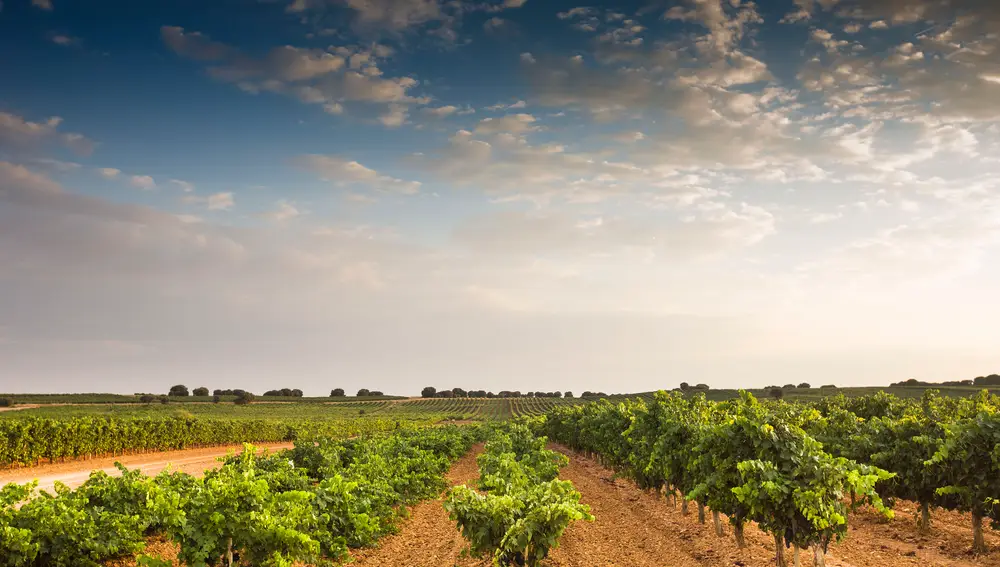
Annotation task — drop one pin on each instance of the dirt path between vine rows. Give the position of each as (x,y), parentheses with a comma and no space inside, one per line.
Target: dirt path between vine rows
(638,529)
(428,538)
(75,473)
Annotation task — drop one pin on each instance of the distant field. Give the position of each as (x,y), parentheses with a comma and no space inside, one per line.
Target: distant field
(132,399)
(479,409)
(393,406)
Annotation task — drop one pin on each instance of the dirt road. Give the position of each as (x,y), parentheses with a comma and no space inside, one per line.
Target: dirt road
(73,474)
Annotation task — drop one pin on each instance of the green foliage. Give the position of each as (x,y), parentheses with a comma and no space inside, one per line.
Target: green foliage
(310,504)
(241,510)
(525,509)
(179,390)
(748,460)
(970,457)
(26,441)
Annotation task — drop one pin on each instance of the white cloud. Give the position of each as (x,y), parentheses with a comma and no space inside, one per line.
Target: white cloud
(282,212)
(506,106)
(143,182)
(109,172)
(313,76)
(220,201)
(64,40)
(43,4)
(182,185)
(494,24)
(512,123)
(441,111)
(343,172)
(19,134)
(394,117)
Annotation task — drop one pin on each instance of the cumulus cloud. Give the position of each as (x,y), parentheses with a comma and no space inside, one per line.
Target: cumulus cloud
(441,111)
(19,134)
(512,123)
(182,185)
(222,201)
(142,182)
(394,117)
(343,172)
(283,211)
(328,78)
(109,172)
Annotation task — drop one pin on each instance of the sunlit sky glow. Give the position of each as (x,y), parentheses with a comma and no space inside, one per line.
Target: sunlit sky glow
(497,194)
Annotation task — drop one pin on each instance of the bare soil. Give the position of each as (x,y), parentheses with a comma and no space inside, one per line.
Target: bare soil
(74,473)
(634,528)
(428,538)
(638,528)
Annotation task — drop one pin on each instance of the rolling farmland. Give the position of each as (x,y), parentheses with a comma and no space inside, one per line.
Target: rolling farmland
(867,481)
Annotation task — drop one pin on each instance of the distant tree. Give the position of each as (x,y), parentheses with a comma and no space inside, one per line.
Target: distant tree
(428,392)
(804,386)
(164,400)
(685,386)
(216,399)
(777,393)
(218,392)
(179,390)
(364,392)
(297,393)
(237,392)
(459,393)
(376,393)
(490,395)
(556,394)
(445,394)
(244,398)
(567,394)
(788,387)
(203,391)
(991,380)
(337,393)
(701,387)
(828,387)
(6,402)
(147,398)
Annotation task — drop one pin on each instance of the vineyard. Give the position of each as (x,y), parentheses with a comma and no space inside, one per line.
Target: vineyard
(799,470)
(308,504)
(807,474)
(60,433)
(523,508)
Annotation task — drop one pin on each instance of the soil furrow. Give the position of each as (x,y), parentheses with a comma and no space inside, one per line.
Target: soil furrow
(428,538)
(637,528)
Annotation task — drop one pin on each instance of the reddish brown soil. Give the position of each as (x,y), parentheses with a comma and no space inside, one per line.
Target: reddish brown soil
(428,538)
(639,529)
(636,528)
(74,473)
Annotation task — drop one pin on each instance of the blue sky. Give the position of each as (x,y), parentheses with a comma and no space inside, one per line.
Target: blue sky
(497,193)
